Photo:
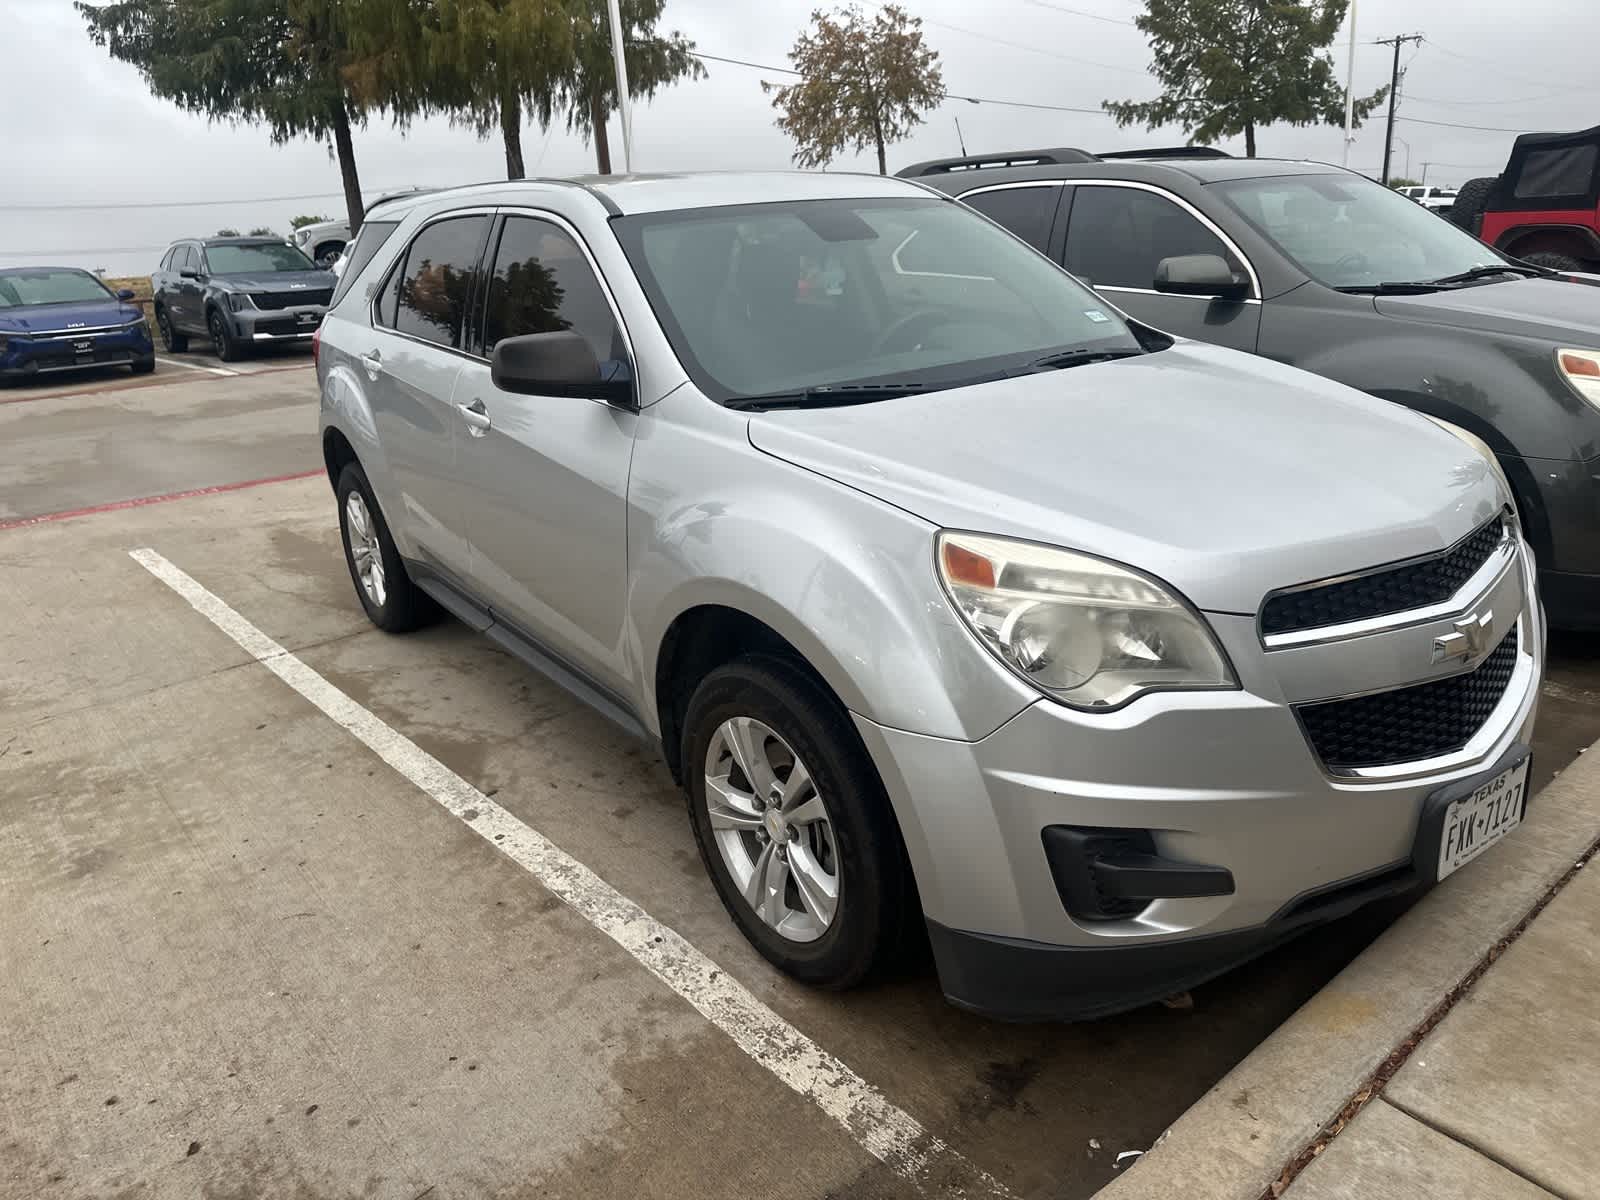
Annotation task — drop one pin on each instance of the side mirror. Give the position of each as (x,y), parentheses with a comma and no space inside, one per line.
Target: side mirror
(558,364)
(1201,275)
(124,293)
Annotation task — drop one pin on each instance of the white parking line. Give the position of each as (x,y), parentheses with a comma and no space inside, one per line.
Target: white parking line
(884,1130)
(178,362)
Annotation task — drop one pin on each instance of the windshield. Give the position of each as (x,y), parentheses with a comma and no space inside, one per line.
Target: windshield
(49,285)
(260,258)
(767,298)
(1346,231)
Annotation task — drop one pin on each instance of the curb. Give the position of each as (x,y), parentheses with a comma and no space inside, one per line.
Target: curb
(1238,1139)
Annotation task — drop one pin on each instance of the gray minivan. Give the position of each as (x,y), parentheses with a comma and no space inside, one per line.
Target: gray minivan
(949,595)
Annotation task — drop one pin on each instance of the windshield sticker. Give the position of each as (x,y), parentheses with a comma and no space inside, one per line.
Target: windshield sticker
(1095,315)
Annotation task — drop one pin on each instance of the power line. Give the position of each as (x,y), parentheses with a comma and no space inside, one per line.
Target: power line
(1455,125)
(984,37)
(163,203)
(1077,12)
(743,62)
(1499,66)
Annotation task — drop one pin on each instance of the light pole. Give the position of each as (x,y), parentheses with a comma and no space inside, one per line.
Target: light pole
(1350,88)
(1407,146)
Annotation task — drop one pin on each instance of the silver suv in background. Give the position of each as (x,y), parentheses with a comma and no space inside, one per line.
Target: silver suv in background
(949,593)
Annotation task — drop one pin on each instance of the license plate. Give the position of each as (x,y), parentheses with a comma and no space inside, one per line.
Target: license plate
(309,318)
(83,347)
(1475,822)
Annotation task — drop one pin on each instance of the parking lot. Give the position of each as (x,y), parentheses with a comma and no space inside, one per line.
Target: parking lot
(295,907)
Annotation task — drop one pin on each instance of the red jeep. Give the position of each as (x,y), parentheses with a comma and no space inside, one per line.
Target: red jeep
(1544,208)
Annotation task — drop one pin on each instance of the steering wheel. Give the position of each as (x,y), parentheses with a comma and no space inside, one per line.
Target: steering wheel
(897,330)
(1354,262)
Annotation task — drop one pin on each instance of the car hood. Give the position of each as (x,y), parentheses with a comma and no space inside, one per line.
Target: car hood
(1223,474)
(1561,310)
(278,281)
(53,318)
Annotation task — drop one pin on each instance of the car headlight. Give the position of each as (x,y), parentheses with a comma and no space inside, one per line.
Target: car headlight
(1082,630)
(1581,369)
(239,301)
(1481,446)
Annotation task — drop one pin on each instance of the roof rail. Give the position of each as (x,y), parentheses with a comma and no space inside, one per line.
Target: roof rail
(1169,152)
(1009,158)
(401,195)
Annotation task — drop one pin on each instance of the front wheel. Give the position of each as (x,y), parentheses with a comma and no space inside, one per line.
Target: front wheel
(175,342)
(143,366)
(222,341)
(792,822)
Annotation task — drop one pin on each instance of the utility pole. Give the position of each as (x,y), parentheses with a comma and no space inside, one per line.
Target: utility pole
(1424,178)
(1350,89)
(1394,86)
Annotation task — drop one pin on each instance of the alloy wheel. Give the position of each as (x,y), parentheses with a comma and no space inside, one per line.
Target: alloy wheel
(772,829)
(361,532)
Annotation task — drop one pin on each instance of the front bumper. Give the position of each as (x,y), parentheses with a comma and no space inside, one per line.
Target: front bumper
(278,324)
(26,357)
(1224,779)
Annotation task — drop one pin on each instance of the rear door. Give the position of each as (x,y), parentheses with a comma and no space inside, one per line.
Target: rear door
(1117,234)
(413,355)
(546,477)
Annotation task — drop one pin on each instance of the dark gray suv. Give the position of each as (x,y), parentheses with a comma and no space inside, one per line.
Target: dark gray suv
(242,293)
(1324,269)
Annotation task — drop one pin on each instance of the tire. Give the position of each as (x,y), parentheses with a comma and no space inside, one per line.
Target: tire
(1471,200)
(1555,261)
(857,837)
(175,342)
(222,340)
(395,604)
(143,366)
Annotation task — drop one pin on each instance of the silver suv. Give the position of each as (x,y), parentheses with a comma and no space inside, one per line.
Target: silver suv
(948,592)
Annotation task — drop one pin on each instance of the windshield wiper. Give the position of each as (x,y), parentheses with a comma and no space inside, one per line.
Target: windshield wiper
(1496,269)
(826,396)
(1416,288)
(1077,358)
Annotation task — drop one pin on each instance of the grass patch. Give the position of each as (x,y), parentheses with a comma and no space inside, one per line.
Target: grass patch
(139,285)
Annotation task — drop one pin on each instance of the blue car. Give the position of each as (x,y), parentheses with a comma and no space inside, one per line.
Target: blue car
(63,319)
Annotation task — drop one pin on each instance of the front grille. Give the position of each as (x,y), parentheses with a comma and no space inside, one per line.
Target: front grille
(1398,589)
(269,301)
(1410,723)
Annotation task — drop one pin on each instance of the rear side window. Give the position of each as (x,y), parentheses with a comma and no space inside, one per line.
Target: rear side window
(1566,171)
(166,259)
(543,283)
(1117,235)
(433,287)
(357,255)
(1027,211)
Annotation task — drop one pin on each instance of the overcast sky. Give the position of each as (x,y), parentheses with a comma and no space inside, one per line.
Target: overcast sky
(81,129)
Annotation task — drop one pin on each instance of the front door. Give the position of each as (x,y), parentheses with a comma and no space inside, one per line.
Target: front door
(547,476)
(1116,236)
(410,370)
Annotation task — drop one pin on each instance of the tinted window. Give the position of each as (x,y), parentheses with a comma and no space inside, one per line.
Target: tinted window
(1116,236)
(1562,172)
(800,294)
(434,285)
(1346,231)
(368,242)
(185,259)
(542,283)
(49,285)
(261,258)
(166,259)
(1026,212)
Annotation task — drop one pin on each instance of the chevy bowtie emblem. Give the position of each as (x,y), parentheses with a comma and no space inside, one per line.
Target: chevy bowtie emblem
(1470,639)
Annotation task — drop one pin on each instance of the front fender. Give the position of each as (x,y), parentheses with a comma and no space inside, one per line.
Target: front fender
(847,580)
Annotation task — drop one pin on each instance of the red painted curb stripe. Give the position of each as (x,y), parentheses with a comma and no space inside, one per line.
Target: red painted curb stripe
(119,505)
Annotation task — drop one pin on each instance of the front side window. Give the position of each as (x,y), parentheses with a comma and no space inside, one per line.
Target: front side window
(542,283)
(258,258)
(1026,211)
(186,259)
(1349,232)
(1117,236)
(914,292)
(433,287)
(50,285)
